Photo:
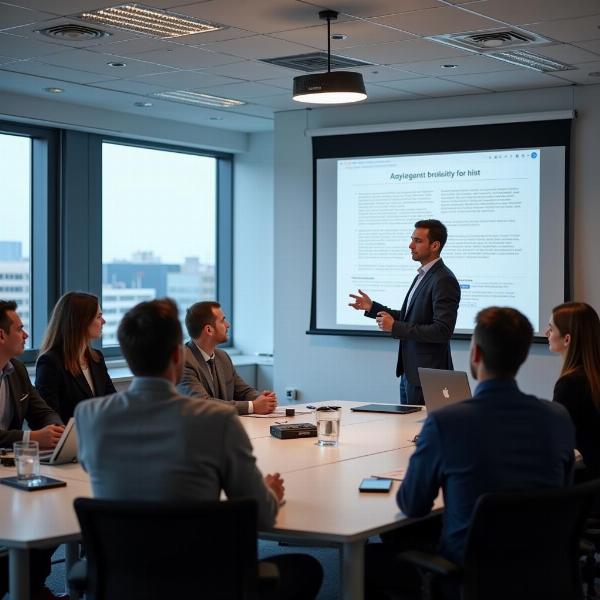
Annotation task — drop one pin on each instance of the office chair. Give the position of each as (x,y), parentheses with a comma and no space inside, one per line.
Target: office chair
(520,545)
(158,551)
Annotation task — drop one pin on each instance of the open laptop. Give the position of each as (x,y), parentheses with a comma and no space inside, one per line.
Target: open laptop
(66,449)
(441,387)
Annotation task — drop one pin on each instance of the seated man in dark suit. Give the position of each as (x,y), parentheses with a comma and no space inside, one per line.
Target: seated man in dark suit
(152,443)
(19,401)
(501,439)
(209,372)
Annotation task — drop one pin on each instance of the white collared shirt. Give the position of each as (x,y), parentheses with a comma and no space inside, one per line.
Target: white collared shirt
(422,271)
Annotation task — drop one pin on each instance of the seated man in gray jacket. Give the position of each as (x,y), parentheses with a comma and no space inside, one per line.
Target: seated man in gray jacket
(209,372)
(151,443)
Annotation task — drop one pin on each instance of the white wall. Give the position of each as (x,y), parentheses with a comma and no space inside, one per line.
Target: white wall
(252,317)
(330,367)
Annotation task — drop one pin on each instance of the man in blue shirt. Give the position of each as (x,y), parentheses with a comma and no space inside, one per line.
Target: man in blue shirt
(501,439)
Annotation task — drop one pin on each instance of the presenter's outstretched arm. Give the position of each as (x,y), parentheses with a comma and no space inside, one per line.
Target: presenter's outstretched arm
(361,301)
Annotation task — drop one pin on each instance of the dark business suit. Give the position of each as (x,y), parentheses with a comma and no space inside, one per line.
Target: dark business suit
(573,392)
(501,439)
(425,328)
(62,390)
(27,405)
(229,388)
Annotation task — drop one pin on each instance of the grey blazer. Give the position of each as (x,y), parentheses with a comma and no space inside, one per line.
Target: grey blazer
(27,405)
(198,382)
(150,443)
(425,329)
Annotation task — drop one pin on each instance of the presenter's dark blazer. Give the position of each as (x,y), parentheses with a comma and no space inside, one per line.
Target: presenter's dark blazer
(62,390)
(27,405)
(424,330)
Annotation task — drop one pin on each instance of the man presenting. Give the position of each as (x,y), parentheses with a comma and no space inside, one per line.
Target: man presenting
(152,444)
(20,401)
(499,440)
(209,372)
(427,318)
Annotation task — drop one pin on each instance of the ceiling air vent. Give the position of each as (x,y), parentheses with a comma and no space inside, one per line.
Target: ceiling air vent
(72,32)
(490,40)
(314,62)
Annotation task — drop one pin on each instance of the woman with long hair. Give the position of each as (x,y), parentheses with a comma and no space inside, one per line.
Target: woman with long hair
(68,369)
(574,333)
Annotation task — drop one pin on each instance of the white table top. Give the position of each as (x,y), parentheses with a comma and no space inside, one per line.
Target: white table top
(321,483)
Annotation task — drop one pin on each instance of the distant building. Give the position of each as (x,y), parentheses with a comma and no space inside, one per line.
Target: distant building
(116,301)
(195,282)
(15,280)
(144,277)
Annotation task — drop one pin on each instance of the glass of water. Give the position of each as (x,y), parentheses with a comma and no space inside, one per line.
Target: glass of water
(27,460)
(328,425)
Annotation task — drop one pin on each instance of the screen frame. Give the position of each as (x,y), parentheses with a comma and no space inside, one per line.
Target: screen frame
(435,140)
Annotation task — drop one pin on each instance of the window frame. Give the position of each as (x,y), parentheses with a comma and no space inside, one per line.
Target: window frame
(44,251)
(224,219)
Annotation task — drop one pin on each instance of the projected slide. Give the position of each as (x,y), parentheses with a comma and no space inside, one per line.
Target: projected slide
(490,203)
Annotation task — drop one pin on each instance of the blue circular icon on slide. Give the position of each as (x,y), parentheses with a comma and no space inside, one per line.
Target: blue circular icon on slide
(534,155)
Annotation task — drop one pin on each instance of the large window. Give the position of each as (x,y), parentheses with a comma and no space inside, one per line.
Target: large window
(15,224)
(159,229)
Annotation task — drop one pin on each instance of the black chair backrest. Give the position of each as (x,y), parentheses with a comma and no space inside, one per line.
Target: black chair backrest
(138,550)
(526,544)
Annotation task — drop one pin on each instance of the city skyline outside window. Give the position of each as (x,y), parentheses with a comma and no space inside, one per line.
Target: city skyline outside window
(15,224)
(158,229)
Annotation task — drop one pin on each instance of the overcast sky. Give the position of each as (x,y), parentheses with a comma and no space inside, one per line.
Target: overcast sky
(152,200)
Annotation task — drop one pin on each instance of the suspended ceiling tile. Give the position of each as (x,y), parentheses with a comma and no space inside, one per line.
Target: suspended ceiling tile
(403,52)
(474,63)
(259,46)
(185,57)
(260,16)
(15,16)
(95,62)
(567,53)
(433,87)
(59,74)
(250,70)
(373,8)
(359,33)
(519,12)
(246,90)
(185,80)
(19,47)
(434,21)
(570,30)
(582,75)
(519,79)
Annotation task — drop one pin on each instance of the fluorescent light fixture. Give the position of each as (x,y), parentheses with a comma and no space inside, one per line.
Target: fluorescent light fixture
(338,87)
(188,97)
(523,58)
(148,20)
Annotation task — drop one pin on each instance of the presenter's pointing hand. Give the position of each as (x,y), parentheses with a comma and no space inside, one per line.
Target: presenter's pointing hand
(385,321)
(361,301)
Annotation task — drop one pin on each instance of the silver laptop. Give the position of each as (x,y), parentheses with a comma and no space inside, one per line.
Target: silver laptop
(441,388)
(66,449)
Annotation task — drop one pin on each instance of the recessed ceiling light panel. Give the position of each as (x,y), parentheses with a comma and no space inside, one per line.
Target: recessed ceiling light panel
(531,60)
(54,90)
(187,97)
(148,20)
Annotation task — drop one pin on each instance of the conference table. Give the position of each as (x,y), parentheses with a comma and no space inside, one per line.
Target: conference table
(323,504)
